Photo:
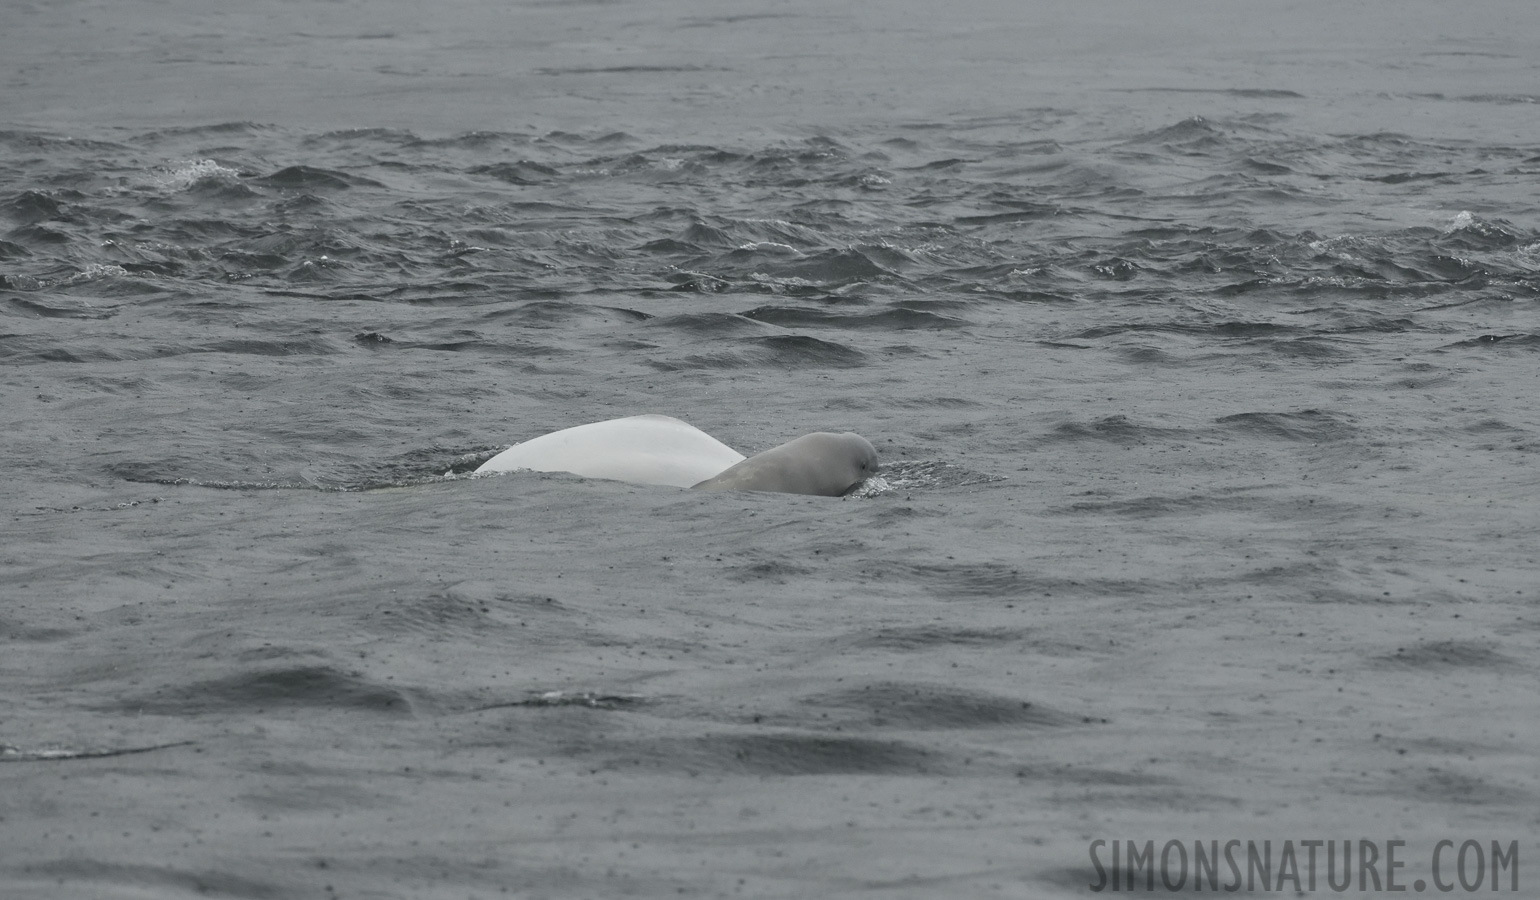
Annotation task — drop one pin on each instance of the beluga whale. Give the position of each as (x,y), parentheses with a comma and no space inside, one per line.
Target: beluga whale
(663,450)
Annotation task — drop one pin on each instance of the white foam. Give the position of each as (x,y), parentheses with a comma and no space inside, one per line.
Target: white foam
(184,174)
(1463,219)
(93,272)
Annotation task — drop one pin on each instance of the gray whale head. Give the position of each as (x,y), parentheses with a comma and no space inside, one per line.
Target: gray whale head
(821,463)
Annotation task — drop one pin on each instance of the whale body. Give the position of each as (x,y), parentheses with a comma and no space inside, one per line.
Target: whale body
(661,450)
(638,449)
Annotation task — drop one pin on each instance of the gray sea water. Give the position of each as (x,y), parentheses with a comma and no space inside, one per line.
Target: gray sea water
(1199,343)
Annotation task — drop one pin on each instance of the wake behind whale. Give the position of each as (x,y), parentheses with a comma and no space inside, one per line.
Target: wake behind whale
(662,450)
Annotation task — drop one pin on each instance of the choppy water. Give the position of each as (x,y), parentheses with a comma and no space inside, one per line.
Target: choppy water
(1195,413)
(392,278)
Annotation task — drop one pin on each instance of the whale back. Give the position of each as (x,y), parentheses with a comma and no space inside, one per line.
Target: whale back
(647,449)
(822,463)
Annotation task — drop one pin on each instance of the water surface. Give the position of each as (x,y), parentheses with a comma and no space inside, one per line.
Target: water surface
(1200,348)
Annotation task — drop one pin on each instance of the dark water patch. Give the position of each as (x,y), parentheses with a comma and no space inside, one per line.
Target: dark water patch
(1242,501)
(911,705)
(1247,286)
(924,637)
(466,463)
(173,471)
(939,305)
(416,466)
(1449,787)
(311,178)
(1035,212)
(306,205)
(1309,426)
(311,346)
(889,257)
(1006,582)
(474,344)
(28,207)
(221,130)
(522,172)
(1501,99)
(775,571)
(951,163)
(1146,507)
(732,19)
(1264,167)
(831,267)
(893,319)
(319,791)
(796,753)
(1384,270)
(770,236)
(447,294)
(1309,348)
(698,283)
(112,878)
(1405,177)
(1249,93)
(1149,356)
(1194,134)
(1442,655)
(475,140)
(703,153)
(220,189)
(561,314)
(38,237)
(936,403)
(15,630)
(709,323)
(446,616)
(109,507)
(275,245)
(1000,278)
(670,247)
(46,311)
(782,351)
(1506,341)
(114,283)
(1490,427)
(621,70)
(298,687)
(701,234)
(1226,329)
(56,753)
(1112,429)
(1458,270)
(1424,381)
(964,579)
(372,339)
(583,699)
(1475,233)
(36,349)
(1348,322)
(34,141)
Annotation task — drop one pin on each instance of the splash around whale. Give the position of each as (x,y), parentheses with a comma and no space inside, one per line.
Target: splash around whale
(663,450)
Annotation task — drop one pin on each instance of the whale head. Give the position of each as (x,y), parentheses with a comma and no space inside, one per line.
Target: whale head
(821,463)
